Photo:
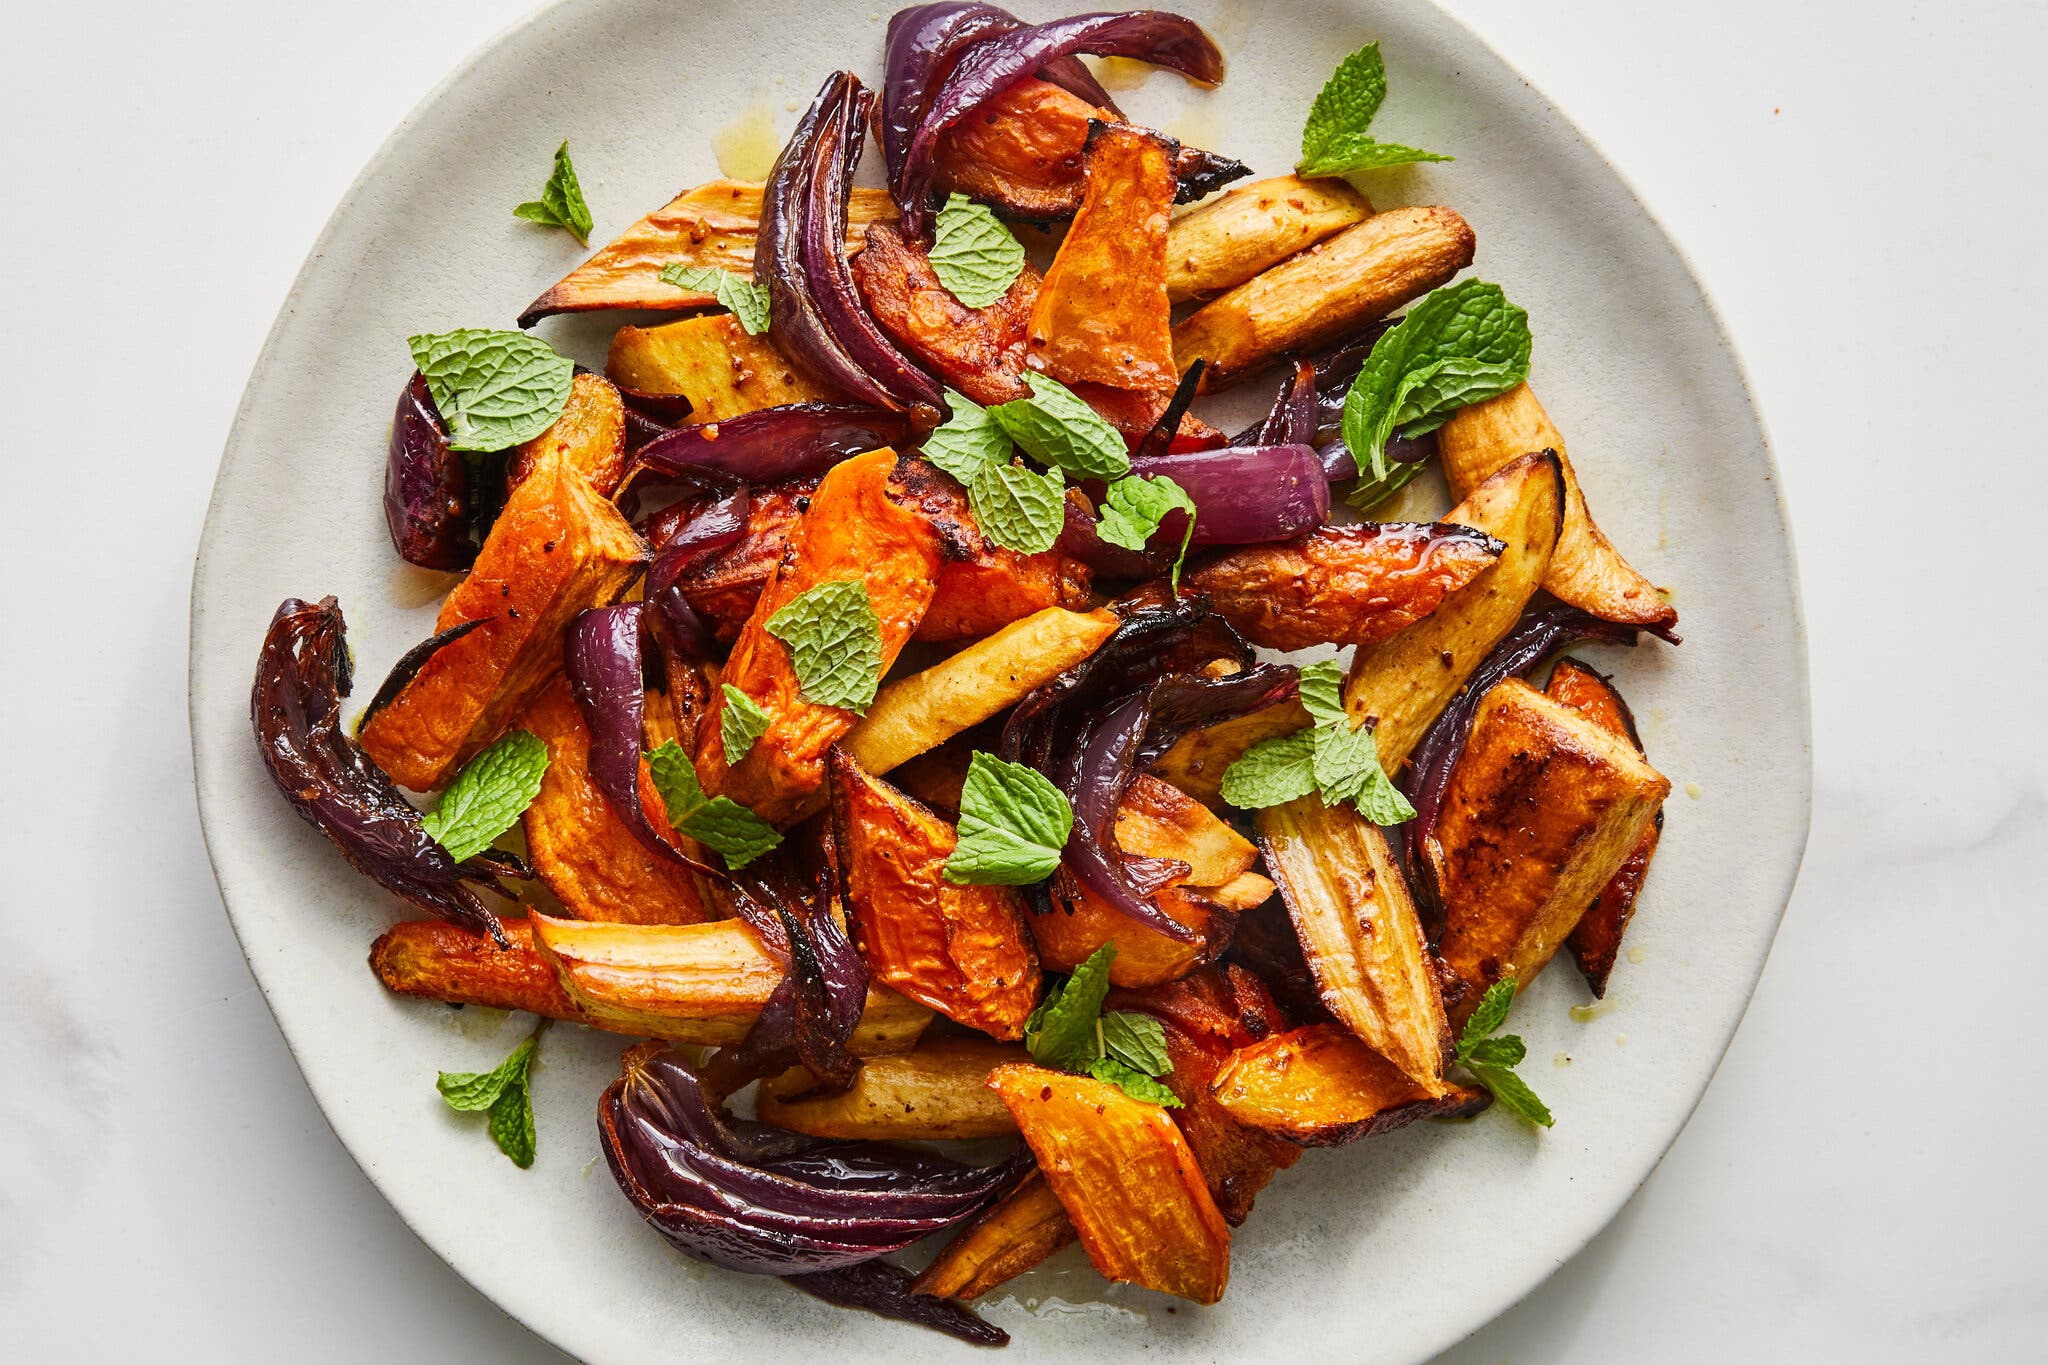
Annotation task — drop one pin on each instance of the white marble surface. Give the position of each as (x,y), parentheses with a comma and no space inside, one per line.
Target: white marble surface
(1857,184)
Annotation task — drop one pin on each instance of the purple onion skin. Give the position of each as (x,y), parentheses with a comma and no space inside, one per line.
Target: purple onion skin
(1339,464)
(603,660)
(712,525)
(923,43)
(885,1289)
(302,674)
(998,62)
(1546,627)
(768,445)
(1094,774)
(410,663)
(812,1013)
(426,486)
(1248,495)
(1294,416)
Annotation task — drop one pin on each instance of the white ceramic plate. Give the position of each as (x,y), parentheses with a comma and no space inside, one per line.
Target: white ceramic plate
(1367,1252)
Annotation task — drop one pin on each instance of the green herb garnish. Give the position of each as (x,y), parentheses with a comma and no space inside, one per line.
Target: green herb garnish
(735,293)
(1334,141)
(1013,824)
(1492,1060)
(1057,427)
(835,643)
(975,257)
(561,201)
(719,823)
(492,389)
(505,1093)
(1069,1032)
(1135,506)
(741,721)
(1332,756)
(488,795)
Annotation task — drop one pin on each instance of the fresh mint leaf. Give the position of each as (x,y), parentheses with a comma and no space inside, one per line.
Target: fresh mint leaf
(1322,691)
(1334,140)
(1056,427)
(1272,772)
(1132,1082)
(969,442)
(1013,824)
(975,257)
(1380,801)
(719,823)
(492,389)
(1019,508)
(735,293)
(1461,344)
(835,643)
(488,795)
(1489,1014)
(505,1093)
(1490,1060)
(1346,761)
(741,721)
(1506,1050)
(1136,1040)
(561,200)
(1367,494)
(1061,1031)
(1134,508)
(1512,1093)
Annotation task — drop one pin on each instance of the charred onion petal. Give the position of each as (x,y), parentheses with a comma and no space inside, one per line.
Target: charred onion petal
(884,1289)
(1294,416)
(1200,174)
(696,529)
(812,1013)
(410,663)
(995,64)
(295,710)
(1546,627)
(1160,438)
(923,43)
(604,663)
(426,486)
(1081,539)
(768,445)
(1182,702)
(1246,495)
(1094,777)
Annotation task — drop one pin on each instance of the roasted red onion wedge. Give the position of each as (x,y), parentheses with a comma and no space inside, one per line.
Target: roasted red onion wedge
(769,444)
(426,486)
(1247,495)
(885,1289)
(295,709)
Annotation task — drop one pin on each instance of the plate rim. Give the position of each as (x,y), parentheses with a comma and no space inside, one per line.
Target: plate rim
(1505,1297)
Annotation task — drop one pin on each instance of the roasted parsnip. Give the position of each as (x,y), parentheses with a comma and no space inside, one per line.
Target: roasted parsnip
(936,1090)
(1220,244)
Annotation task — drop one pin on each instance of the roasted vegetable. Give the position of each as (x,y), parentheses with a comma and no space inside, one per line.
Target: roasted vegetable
(723,582)
(769,445)
(1586,571)
(1402,682)
(295,709)
(1221,244)
(1247,495)
(1359,931)
(589,436)
(888,1291)
(1597,938)
(962,950)
(856,527)
(1320,1086)
(1343,585)
(1196,764)
(1541,811)
(692,983)
(714,363)
(750,1198)
(426,486)
(936,1090)
(1017,1232)
(556,550)
(1101,314)
(713,225)
(1127,1179)
(1326,293)
(592,862)
(432,960)
(979,351)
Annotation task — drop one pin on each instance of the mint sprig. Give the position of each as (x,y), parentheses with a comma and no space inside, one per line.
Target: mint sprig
(735,293)
(1331,756)
(1055,426)
(1492,1060)
(741,721)
(1133,509)
(489,794)
(969,441)
(719,823)
(1069,1032)
(975,257)
(1334,140)
(1460,345)
(505,1093)
(835,643)
(493,389)
(1013,824)
(561,201)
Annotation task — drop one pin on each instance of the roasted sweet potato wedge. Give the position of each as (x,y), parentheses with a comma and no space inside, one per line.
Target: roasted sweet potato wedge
(1134,412)
(1321,1087)
(1021,151)
(1236,1161)
(1101,316)
(1326,293)
(590,435)
(1359,932)
(723,585)
(431,959)
(1158,820)
(1017,1232)
(1542,809)
(1404,681)
(1597,939)
(962,950)
(1224,242)
(556,549)
(1343,585)
(711,361)
(1586,571)
(857,527)
(582,851)
(979,351)
(713,225)
(1127,1179)
(1196,763)
(937,1090)
(693,983)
